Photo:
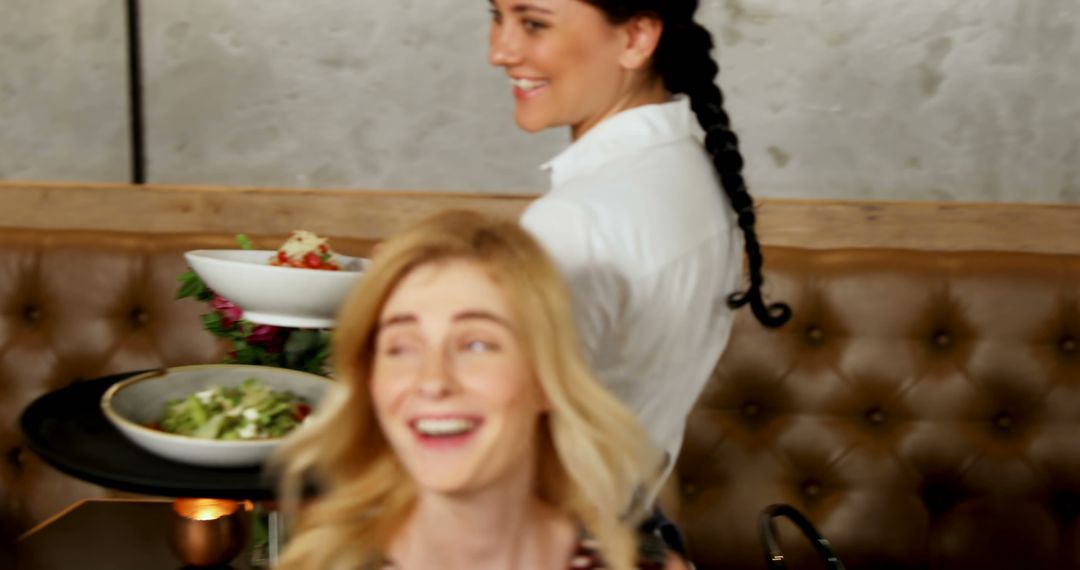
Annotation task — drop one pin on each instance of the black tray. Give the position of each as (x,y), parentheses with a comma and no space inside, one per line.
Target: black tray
(68,429)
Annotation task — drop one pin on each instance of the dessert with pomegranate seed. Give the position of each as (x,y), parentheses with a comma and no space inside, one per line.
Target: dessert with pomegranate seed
(306,250)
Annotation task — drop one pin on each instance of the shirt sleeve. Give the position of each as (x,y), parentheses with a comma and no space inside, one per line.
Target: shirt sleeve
(570,236)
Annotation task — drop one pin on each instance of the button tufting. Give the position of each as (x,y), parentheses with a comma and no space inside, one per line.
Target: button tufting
(941,495)
(689,489)
(815,334)
(14,457)
(811,488)
(139,317)
(942,339)
(32,314)
(1003,421)
(1068,344)
(875,416)
(751,409)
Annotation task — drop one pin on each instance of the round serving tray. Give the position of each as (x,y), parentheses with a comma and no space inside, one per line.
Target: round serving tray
(68,429)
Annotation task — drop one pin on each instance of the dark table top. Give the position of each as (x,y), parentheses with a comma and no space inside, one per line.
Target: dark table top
(68,429)
(106,534)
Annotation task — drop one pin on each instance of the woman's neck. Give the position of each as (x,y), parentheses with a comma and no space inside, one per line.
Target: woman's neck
(499,528)
(650,92)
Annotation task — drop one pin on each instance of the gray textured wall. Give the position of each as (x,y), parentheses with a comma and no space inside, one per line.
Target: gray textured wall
(63,112)
(891,99)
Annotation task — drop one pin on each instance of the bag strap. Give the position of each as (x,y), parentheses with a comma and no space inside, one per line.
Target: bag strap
(774,556)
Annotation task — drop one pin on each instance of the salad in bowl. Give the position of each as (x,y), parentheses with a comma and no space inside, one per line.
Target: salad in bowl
(299,285)
(249,411)
(214,415)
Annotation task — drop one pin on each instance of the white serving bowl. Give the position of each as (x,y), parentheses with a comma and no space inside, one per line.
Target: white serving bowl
(274,295)
(131,404)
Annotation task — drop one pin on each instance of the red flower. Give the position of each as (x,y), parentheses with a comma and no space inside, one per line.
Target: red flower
(229,312)
(267,336)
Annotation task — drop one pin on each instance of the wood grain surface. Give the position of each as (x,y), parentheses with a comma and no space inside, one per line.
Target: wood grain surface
(373,214)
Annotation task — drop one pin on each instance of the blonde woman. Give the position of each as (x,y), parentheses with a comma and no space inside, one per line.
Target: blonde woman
(467,431)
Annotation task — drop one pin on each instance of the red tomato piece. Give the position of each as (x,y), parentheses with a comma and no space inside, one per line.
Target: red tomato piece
(302,411)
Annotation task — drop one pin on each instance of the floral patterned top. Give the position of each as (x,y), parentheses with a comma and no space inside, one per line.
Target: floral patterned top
(651,555)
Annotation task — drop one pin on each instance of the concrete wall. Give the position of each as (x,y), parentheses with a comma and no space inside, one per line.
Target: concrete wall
(63,103)
(950,100)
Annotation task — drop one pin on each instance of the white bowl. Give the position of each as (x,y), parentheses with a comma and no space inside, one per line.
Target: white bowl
(274,295)
(131,404)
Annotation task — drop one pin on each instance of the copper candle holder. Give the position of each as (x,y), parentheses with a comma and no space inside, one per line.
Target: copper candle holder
(208,532)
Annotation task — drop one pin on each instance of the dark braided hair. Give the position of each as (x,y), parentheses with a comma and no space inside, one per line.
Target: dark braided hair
(684,62)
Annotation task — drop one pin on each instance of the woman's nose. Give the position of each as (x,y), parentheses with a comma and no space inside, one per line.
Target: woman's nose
(436,377)
(503,46)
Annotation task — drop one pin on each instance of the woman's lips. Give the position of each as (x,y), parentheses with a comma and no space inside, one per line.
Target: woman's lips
(444,432)
(527,88)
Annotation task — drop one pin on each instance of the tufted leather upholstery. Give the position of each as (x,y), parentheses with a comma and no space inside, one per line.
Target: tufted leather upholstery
(75,305)
(923,409)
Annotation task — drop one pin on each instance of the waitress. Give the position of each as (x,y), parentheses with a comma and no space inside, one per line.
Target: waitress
(648,224)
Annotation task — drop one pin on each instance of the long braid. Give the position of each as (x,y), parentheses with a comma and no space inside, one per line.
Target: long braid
(684,61)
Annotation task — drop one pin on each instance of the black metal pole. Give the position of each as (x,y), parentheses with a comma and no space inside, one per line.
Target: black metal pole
(135,94)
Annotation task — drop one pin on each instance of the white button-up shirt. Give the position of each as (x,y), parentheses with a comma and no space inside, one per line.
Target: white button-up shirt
(639,225)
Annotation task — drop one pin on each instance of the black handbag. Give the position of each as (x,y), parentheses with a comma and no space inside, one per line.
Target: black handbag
(774,556)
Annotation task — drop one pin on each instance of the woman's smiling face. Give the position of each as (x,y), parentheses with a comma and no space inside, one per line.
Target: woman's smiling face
(451,386)
(565,61)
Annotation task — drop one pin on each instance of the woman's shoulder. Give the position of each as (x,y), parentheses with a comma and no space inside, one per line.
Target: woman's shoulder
(679,166)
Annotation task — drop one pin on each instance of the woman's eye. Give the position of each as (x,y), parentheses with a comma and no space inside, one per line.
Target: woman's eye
(397,348)
(533,25)
(479,346)
(496,16)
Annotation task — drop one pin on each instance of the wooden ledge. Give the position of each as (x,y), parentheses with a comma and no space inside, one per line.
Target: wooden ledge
(373,214)
(937,226)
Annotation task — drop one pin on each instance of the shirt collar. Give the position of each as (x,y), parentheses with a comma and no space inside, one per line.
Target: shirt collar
(628,131)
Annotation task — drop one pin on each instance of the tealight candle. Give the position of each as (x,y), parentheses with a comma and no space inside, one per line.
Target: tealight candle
(208,532)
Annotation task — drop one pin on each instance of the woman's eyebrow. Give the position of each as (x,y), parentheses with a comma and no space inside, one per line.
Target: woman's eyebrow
(521,8)
(398,319)
(482,315)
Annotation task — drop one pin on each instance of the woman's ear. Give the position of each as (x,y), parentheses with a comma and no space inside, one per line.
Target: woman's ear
(642,35)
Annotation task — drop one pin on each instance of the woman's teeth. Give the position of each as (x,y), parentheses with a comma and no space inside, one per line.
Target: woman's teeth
(527,84)
(444,426)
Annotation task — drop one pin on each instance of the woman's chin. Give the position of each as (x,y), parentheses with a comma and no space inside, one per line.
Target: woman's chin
(532,124)
(446,486)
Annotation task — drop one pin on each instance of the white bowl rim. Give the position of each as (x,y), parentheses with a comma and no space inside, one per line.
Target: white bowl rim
(115,417)
(201,255)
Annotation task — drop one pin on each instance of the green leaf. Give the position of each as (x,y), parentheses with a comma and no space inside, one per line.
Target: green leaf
(212,323)
(244,241)
(317,364)
(306,350)
(265,358)
(244,354)
(190,285)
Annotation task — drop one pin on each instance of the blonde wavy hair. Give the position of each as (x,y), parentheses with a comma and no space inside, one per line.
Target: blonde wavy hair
(594,454)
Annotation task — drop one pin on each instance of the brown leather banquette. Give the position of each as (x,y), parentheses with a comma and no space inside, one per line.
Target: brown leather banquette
(922,407)
(76,305)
